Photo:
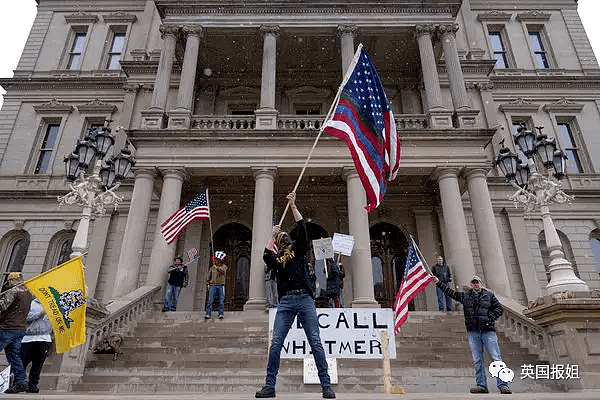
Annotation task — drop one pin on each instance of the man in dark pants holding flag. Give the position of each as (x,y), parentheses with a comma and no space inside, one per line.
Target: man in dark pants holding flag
(290,263)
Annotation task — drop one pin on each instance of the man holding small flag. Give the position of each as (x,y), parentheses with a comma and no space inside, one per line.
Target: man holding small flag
(197,208)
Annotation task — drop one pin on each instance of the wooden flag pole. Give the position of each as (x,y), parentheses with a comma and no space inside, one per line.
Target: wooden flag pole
(210,225)
(421,255)
(331,108)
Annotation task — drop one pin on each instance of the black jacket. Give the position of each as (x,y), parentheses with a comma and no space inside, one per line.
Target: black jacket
(442,272)
(481,309)
(291,267)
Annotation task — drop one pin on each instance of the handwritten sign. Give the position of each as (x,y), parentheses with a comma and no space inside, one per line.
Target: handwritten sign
(5,379)
(342,244)
(323,248)
(345,333)
(311,374)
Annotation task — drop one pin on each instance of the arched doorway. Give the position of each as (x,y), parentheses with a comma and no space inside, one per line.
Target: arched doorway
(236,241)
(316,232)
(388,255)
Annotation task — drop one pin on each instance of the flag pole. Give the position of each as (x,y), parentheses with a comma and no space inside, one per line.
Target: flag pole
(421,255)
(210,223)
(331,108)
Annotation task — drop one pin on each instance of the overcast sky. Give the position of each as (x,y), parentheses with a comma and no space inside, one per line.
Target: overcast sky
(16,18)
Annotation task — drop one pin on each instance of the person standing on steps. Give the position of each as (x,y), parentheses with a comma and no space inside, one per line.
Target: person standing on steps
(296,298)
(216,284)
(442,272)
(178,278)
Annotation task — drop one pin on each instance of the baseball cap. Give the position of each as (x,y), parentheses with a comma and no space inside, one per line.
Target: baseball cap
(476,278)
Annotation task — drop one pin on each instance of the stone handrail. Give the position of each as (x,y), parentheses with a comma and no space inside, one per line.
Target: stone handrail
(224,122)
(119,316)
(303,122)
(523,330)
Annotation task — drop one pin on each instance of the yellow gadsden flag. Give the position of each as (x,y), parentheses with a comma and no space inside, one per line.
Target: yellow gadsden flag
(61,291)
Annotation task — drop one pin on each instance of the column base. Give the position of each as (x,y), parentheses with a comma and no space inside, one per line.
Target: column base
(466,118)
(255,304)
(440,118)
(180,119)
(154,119)
(365,303)
(266,118)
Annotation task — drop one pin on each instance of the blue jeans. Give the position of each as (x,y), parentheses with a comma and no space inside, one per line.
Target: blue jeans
(171,297)
(440,297)
(271,294)
(213,291)
(477,340)
(10,342)
(304,307)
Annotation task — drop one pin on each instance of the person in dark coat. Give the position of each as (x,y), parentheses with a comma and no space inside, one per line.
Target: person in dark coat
(334,283)
(442,272)
(178,278)
(481,309)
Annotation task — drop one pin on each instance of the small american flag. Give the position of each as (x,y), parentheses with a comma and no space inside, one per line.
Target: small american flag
(192,253)
(363,119)
(195,209)
(415,279)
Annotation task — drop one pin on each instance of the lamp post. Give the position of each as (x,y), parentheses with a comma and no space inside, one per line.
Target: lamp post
(96,191)
(536,191)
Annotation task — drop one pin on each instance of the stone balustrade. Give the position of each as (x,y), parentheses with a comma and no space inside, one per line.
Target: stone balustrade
(224,122)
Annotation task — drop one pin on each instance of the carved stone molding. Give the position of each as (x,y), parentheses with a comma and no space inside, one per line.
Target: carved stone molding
(119,17)
(196,30)
(347,30)
(533,16)
(449,29)
(32,182)
(484,86)
(421,30)
(97,106)
(53,106)
(81,18)
(19,224)
(270,30)
(495,15)
(563,105)
(168,30)
(520,105)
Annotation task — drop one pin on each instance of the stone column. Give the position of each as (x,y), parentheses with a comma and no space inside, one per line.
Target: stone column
(163,253)
(460,99)
(181,117)
(153,118)
(132,246)
(347,34)
(96,252)
(439,116)
(426,238)
(490,247)
(360,260)
(458,252)
(262,226)
(266,115)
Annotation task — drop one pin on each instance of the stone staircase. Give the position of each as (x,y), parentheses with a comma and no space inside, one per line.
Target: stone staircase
(182,352)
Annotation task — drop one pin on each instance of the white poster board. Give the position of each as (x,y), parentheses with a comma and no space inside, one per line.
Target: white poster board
(5,379)
(342,244)
(311,374)
(345,333)
(323,248)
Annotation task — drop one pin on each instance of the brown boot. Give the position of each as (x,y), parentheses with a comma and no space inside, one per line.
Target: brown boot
(479,389)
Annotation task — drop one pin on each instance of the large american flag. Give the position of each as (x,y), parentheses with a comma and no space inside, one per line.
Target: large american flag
(197,208)
(415,279)
(363,119)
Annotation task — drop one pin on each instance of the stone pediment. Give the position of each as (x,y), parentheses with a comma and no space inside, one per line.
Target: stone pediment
(53,106)
(241,91)
(533,16)
(81,18)
(563,105)
(97,106)
(119,17)
(310,92)
(494,15)
(520,104)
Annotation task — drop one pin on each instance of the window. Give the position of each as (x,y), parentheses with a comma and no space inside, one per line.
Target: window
(499,49)
(76,52)
(64,253)
(116,50)
(17,255)
(566,249)
(539,53)
(595,245)
(308,109)
(59,249)
(43,164)
(570,148)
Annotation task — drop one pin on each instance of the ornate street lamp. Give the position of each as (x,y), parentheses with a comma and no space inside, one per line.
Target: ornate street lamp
(535,191)
(96,191)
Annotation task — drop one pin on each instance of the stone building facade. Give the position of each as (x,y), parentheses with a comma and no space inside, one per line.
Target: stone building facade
(230,96)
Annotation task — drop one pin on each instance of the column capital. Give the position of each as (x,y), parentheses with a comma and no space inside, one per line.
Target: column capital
(443,173)
(176,173)
(448,29)
(349,173)
(168,30)
(484,86)
(270,30)
(267,172)
(480,172)
(343,30)
(144,173)
(193,30)
(424,30)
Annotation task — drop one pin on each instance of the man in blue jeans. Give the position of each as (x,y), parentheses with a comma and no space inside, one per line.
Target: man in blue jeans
(178,278)
(289,260)
(481,309)
(442,272)
(216,284)
(14,307)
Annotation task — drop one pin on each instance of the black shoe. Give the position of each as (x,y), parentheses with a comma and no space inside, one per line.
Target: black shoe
(266,392)
(479,389)
(33,389)
(505,390)
(221,316)
(328,393)
(21,387)
(165,309)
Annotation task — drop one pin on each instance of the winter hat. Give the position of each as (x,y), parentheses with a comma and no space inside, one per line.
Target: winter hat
(13,276)
(220,255)
(476,278)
